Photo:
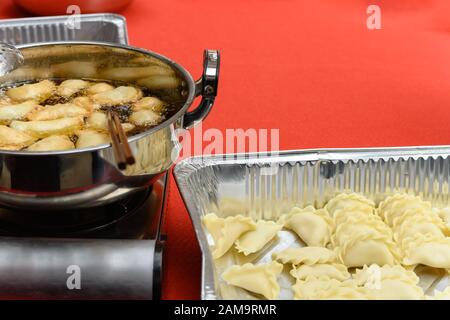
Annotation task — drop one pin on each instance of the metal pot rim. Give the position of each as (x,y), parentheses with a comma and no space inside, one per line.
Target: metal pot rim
(187,77)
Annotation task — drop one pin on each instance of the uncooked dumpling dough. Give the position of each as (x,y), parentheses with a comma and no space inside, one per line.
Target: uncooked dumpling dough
(311,225)
(260,279)
(225,231)
(305,255)
(253,241)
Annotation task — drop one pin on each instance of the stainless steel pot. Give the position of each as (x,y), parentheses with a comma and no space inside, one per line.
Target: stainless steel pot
(89,177)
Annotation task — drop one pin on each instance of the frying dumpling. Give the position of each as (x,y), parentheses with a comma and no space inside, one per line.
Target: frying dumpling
(305,255)
(428,250)
(70,87)
(33,91)
(57,111)
(225,231)
(145,118)
(260,279)
(99,88)
(13,139)
(18,111)
(86,103)
(99,121)
(42,129)
(149,103)
(119,95)
(52,143)
(332,271)
(253,241)
(89,138)
(311,225)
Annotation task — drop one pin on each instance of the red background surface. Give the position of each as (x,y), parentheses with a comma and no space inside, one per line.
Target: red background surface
(311,69)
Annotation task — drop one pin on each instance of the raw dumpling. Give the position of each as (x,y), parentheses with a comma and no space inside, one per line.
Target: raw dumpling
(12,139)
(70,87)
(145,117)
(389,283)
(253,241)
(332,271)
(34,91)
(99,88)
(17,111)
(99,121)
(149,103)
(89,138)
(52,143)
(260,279)
(365,249)
(314,288)
(399,204)
(57,111)
(354,225)
(119,95)
(225,231)
(42,129)
(311,225)
(428,250)
(352,201)
(305,255)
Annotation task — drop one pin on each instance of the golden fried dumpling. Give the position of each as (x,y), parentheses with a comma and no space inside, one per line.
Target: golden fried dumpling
(70,87)
(34,91)
(119,95)
(99,88)
(13,139)
(99,121)
(225,231)
(145,118)
(149,103)
(52,143)
(86,103)
(305,255)
(57,111)
(260,279)
(18,111)
(89,138)
(45,128)
(255,240)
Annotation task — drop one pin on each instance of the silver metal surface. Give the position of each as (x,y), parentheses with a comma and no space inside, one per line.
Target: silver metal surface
(77,268)
(264,186)
(105,27)
(10,58)
(89,176)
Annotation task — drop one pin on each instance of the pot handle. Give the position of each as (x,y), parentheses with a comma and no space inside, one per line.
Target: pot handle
(206,86)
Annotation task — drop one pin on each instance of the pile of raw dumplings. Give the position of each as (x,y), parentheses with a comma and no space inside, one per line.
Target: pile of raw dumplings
(354,249)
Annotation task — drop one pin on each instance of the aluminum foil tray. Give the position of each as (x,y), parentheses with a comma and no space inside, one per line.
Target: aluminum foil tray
(93,27)
(264,186)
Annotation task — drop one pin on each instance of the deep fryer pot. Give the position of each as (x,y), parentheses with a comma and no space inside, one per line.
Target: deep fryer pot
(89,177)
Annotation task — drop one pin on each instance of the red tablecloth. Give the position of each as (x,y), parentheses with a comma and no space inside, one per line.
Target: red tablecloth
(311,69)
